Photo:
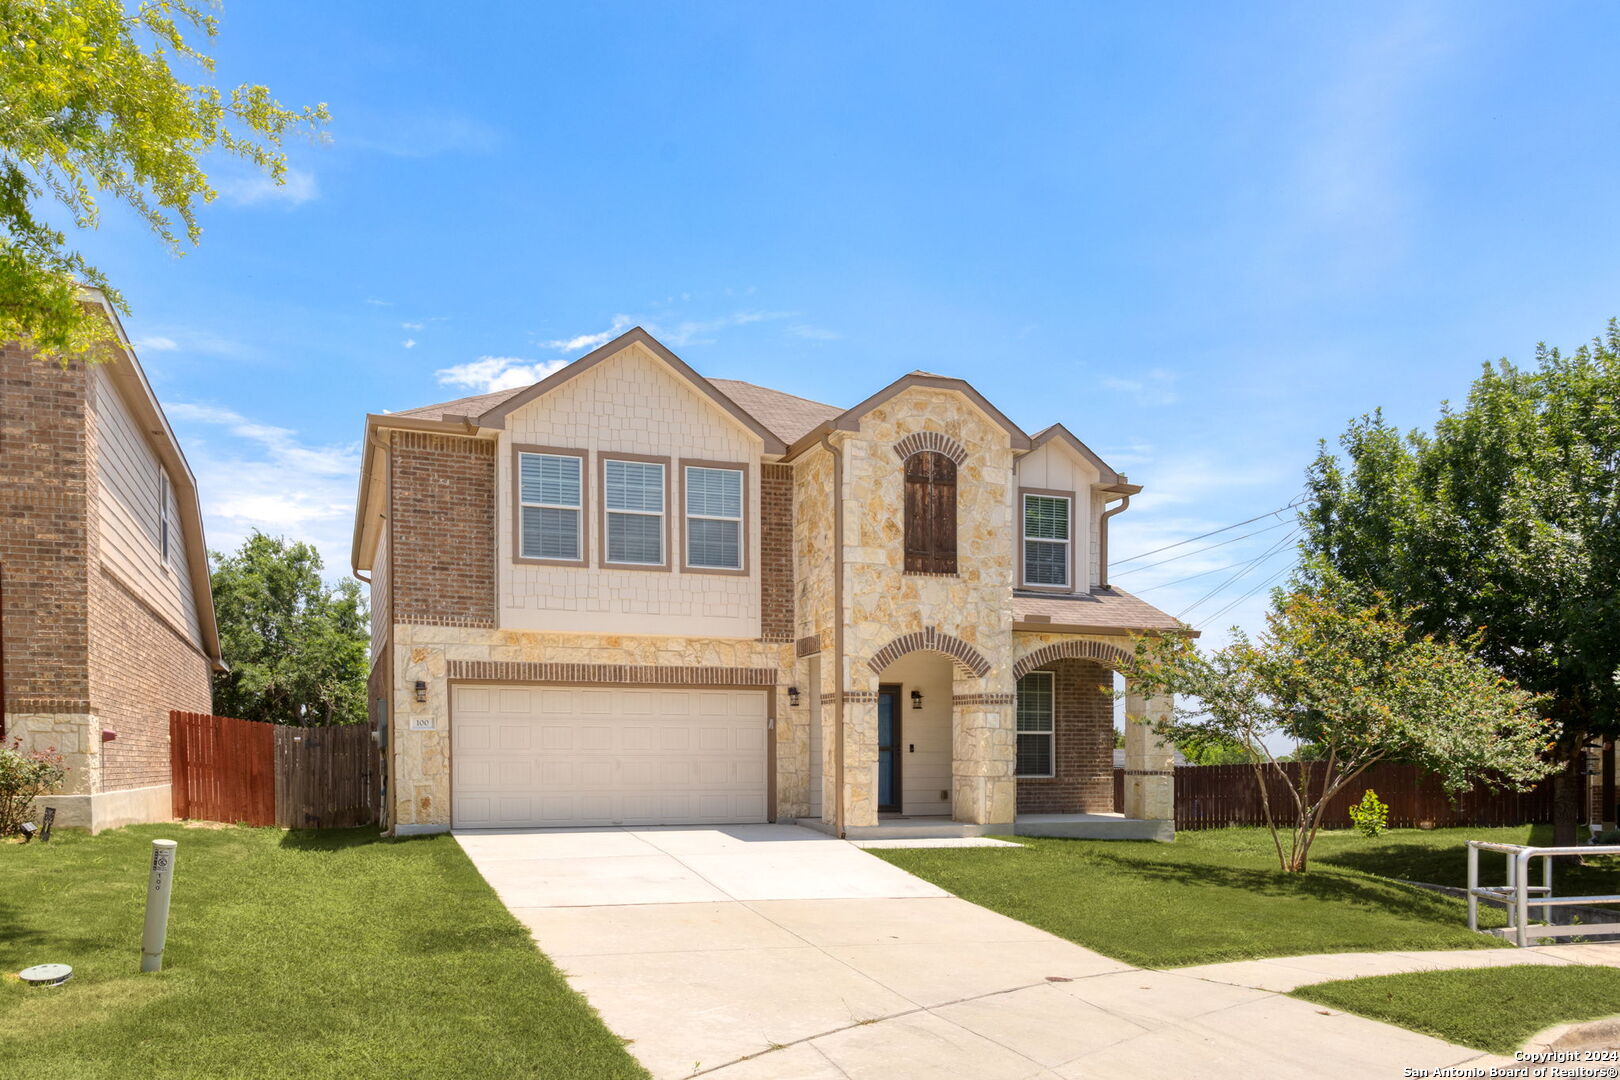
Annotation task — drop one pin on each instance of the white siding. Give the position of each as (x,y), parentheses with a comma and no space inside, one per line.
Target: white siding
(1057,468)
(130,483)
(632,404)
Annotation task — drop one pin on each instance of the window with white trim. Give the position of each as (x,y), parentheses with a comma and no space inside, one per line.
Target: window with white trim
(550,505)
(714,518)
(1037,752)
(1046,540)
(633,498)
(163,515)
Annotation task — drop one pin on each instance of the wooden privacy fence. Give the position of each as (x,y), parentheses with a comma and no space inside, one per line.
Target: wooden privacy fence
(1212,796)
(226,769)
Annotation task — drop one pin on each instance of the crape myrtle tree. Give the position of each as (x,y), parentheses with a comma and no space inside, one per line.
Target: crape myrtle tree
(1499,528)
(297,648)
(97,106)
(1350,680)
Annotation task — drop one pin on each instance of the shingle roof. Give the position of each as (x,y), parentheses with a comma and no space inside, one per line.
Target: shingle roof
(789,417)
(467,406)
(1107,610)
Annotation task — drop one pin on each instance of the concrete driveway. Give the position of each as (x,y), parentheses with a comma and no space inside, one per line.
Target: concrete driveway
(772,952)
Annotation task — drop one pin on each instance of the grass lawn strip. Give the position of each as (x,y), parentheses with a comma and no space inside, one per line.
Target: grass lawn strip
(333,954)
(1491,1009)
(1217,895)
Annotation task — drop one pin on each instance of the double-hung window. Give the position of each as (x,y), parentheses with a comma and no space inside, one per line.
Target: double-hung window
(633,502)
(1047,540)
(714,518)
(551,505)
(1036,753)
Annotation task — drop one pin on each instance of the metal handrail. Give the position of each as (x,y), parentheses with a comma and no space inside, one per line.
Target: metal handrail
(1516,894)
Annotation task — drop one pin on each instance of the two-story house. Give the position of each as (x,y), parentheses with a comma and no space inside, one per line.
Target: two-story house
(628,594)
(106,619)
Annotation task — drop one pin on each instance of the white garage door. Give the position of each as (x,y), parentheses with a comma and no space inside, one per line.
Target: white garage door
(557,755)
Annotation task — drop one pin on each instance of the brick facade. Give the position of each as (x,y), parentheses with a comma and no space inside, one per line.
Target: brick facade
(776,553)
(140,668)
(442,530)
(1084,742)
(45,550)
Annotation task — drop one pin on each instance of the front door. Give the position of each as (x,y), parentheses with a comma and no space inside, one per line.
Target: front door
(889,748)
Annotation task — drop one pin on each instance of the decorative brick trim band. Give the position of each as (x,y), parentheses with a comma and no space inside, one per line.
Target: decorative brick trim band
(984,699)
(922,441)
(966,658)
(852,697)
(19,706)
(1148,772)
(441,444)
(611,674)
(1112,655)
(807,646)
(475,622)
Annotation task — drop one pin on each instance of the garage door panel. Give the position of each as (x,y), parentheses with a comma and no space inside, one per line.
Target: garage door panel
(559,756)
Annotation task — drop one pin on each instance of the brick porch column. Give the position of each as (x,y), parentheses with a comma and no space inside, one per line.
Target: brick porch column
(1150,780)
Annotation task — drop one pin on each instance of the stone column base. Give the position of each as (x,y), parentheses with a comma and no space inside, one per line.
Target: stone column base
(109,809)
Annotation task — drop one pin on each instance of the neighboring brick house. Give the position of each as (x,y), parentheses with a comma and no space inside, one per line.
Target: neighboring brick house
(106,621)
(630,594)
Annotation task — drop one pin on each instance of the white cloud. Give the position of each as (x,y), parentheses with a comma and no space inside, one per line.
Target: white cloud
(701,331)
(411,325)
(374,302)
(490,373)
(813,333)
(1157,387)
(253,475)
(296,187)
(409,343)
(584,342)
(155,343)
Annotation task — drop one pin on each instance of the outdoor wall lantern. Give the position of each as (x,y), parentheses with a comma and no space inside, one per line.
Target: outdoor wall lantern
(916,699)
(421,691)
(793,696)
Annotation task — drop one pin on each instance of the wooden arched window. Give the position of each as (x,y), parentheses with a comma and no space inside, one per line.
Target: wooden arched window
(930,514)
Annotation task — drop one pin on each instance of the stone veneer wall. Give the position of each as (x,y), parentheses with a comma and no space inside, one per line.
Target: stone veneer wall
(1084,744)
(420,774)
(441,509)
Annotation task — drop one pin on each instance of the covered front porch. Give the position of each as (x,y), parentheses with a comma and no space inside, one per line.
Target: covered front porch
(948,744)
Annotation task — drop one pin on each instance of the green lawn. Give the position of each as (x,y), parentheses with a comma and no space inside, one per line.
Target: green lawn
(290,954)
(1217,895)
(1492,1009)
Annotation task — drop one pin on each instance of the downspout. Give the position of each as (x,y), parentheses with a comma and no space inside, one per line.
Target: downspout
(1102,541)
(838,631)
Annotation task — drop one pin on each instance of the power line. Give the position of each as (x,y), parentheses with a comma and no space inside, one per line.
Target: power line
(1213,532)
(1200,551)
(1248,568)
(1267,582)
(1192,577)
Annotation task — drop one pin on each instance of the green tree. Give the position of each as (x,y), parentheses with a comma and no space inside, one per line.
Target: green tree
(1499,526)
(1353,682)
(297,648)
(94,108)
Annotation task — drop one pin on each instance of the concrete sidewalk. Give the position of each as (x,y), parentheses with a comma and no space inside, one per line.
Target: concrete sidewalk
(1291,972)
(777,953)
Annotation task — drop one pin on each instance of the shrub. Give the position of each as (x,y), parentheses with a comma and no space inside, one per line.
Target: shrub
(1370,816)
(23,777)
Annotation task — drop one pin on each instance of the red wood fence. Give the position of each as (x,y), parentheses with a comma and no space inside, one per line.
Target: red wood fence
(256,773)
(223,768)
(1214,796)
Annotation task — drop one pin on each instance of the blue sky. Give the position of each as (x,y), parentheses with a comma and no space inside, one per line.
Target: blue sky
(1202,236)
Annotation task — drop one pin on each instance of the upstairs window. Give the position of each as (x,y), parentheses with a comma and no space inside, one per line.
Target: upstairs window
(714,518)
(930,513)
(1047,540)
(551,507)
(633,498)
(1036,716)
(163,516)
